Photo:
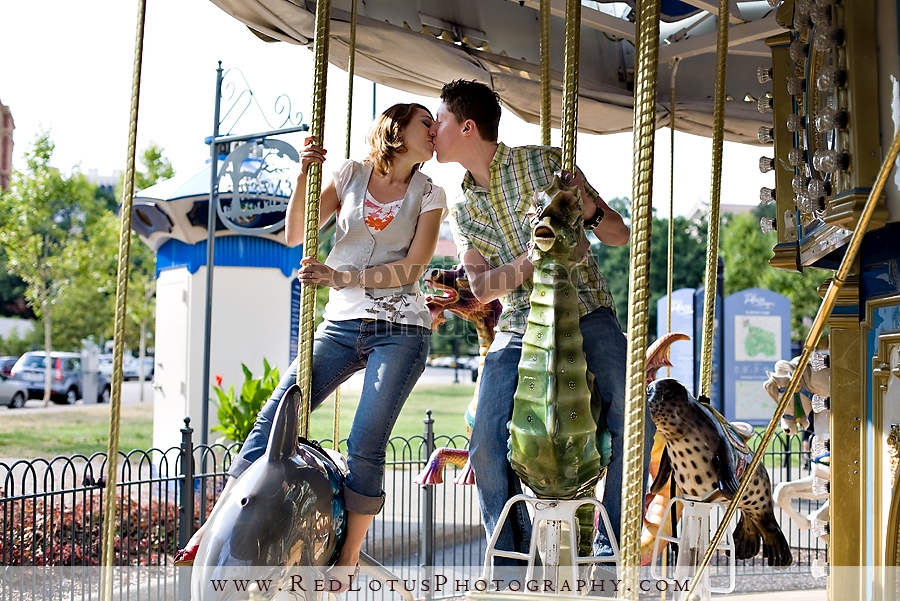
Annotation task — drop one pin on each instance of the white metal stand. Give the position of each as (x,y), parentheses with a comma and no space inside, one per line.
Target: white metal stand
(554,541)
(692,544)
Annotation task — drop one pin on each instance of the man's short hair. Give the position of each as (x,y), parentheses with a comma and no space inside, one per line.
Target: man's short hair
(476,101)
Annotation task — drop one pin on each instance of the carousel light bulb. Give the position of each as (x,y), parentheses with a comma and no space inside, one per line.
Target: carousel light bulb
(820,527)
(796,157)
(820,486)
(766,195)
(767,225)
(829,118)
(795,123)
(819,14)
(795,86)
(803,203)
(798,50)
(821,403)
(764,104)
(819,446)
(799,184)
(827,37)
(766,164)
(818,188)
(830,161)
(765,134)
(818,569)
(819,361)
(764,74)
(830,78)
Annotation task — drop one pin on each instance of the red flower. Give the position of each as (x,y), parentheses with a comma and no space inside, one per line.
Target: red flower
(218,380)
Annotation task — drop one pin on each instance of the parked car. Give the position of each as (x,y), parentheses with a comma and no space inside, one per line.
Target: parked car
(12,392)
(149,367)
(65,379)
(129,367)
(6,364)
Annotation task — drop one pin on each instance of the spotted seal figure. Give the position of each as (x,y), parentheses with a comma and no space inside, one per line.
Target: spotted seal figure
(705,453)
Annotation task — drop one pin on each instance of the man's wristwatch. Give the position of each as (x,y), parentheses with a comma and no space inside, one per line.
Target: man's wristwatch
(590,224)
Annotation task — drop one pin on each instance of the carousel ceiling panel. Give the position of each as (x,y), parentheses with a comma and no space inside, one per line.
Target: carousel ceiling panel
(418,45)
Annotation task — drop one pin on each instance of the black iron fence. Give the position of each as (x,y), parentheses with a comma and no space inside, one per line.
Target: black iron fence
(51,513)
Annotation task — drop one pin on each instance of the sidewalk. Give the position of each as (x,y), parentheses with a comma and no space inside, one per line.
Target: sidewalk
(808,595)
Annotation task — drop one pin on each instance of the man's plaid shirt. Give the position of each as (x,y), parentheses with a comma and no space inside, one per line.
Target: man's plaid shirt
(495,223)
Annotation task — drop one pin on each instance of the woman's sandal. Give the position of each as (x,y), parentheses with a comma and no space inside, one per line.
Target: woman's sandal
(185,557)
(345,586)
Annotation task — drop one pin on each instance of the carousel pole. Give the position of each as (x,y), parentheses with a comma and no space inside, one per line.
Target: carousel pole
(313,191)
(646,69)
(112,450)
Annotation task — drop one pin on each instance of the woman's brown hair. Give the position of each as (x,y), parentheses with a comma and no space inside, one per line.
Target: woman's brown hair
(385,137)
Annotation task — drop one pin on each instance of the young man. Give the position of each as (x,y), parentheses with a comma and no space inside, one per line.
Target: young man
(492,232)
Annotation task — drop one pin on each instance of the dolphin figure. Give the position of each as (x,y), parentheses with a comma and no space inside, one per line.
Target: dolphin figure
(286,511)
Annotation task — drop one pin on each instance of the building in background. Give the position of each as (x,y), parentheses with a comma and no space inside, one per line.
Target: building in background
(107,183)
(7,125)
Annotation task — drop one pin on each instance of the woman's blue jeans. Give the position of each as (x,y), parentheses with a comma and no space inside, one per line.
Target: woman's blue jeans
(605,348)
(394,358)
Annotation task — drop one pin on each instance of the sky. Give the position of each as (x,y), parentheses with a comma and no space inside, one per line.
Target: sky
(66,68)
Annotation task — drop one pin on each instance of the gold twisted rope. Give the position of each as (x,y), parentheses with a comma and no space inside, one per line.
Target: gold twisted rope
(570,85)
(809,347)
(351,68)
(670,272)
(715,201)
(112,449)
(546,116)
(313,190)
(646,68)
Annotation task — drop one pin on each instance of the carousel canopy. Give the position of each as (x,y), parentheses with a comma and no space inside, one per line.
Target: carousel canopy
(418,45)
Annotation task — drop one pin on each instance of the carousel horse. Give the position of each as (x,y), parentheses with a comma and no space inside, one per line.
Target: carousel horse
(812,382)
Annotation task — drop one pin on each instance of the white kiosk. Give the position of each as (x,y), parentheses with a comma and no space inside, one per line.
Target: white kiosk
(255,294)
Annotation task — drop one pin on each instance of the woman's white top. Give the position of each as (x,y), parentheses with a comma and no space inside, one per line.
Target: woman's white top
(400,306)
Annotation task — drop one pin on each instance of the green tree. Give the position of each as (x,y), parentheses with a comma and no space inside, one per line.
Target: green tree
(43,216)
(12,292)
(141,310)
(747,252)
(688,269)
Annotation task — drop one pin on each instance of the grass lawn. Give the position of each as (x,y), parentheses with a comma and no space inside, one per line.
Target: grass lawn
(447,402)
(85,429)
(77,430)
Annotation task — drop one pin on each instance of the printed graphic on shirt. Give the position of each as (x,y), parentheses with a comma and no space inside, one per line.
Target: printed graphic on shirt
(392,308)
(378,216)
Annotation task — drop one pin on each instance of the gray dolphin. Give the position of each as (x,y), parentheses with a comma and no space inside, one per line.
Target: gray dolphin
(286,511)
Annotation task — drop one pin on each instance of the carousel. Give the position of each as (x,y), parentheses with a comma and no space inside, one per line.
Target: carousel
(813,83)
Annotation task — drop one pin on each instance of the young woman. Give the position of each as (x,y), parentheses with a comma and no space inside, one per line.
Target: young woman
(388,218)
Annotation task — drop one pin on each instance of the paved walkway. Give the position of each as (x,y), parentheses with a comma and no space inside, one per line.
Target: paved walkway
(808,595)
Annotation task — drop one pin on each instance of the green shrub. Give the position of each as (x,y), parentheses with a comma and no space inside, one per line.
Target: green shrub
(238,414)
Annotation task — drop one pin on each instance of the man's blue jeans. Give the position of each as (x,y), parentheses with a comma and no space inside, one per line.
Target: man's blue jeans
(394,358)
(605,348)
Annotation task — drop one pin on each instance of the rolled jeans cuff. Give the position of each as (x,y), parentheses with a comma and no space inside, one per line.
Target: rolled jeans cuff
(362,504)
(238,466)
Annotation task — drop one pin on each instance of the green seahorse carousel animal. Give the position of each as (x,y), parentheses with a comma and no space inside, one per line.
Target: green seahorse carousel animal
(553,432)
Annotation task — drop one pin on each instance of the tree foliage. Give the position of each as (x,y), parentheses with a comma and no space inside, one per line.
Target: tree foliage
(69,228)
(747,252)
(688,265)
(44,216)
